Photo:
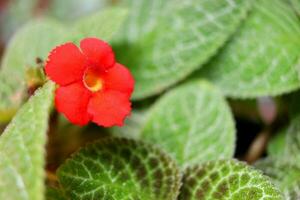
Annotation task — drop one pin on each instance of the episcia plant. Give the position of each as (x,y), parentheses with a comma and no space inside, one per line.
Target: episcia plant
(143,100)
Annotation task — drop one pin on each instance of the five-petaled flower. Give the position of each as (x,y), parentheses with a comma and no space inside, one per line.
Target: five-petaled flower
(92,85)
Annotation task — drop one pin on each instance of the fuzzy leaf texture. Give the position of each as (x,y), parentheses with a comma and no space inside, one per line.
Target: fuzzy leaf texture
(196,120)
(173,38)
(261,58)
(120,169)
(22,149)
(284,174)
(33,41)
(227,180)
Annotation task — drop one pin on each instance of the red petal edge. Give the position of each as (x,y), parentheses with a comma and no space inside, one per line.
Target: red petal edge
(99,53)
(118,78)
(72,101)
(109,108)
(65,64)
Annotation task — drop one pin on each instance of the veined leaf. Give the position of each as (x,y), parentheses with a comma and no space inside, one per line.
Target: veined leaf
(261,58)
(164,41)
(22,149)
(193,123)
(119,169)
(33,41)
(284,174)
(226,180)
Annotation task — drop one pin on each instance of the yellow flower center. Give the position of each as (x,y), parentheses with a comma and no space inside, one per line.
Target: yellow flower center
(92,80)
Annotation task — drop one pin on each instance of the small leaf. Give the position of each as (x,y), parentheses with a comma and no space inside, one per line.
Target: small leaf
(102,24)
(227,180)
(193,123)
(164,41)
(33,41)
(22,149)
(260,60)
(120,169)
(285,175)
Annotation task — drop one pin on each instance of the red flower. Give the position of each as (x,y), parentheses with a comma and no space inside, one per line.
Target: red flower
(92,86)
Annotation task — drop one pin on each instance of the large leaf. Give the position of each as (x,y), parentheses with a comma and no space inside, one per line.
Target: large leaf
(120,169)
(261,58)
(33,41)
(227,180)
(102,24)
(285,175)
(193,123)
(164,41)
(22,149)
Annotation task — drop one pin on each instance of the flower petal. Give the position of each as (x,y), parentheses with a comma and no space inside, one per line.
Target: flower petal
(65,64)
(72,101)
(118,78)
(109,108)
(98,52)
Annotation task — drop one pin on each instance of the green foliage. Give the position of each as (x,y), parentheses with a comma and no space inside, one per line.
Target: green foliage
(120,169)
(190,119)
(261,58)
(164,41)
(69,10)
(102,24)
(15,16)
(133,125)
(54,194)
(285,175)
(277,144)
(226,180)
(296,5)
(22,149)
(33,41)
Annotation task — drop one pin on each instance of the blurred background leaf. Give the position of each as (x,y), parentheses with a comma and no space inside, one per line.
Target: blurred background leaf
(262,56)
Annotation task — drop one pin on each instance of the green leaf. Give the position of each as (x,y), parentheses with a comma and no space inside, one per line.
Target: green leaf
(54,194)
(276,146)
(296,5)
(120,169)
(193,123)
(227,180)
(102,24)
(15,15)
(69,10)
(22,149)
(34,40)
(132,126)
(164,41)
(260,60)
(285,175)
